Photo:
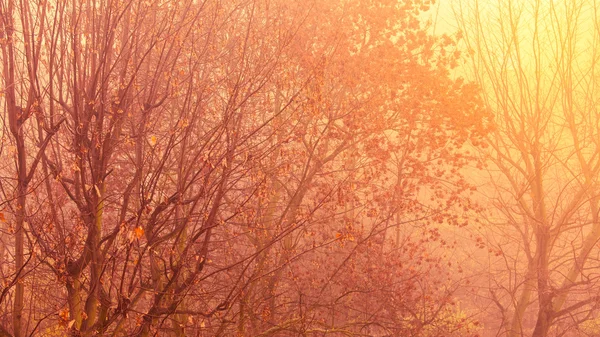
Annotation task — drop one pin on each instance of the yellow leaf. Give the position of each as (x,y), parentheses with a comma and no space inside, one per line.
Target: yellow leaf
(153,140)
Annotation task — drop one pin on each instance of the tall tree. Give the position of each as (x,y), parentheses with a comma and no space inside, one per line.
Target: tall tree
(537,64)
(23,94)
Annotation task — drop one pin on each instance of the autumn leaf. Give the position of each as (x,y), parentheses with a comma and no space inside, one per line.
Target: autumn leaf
(138,232)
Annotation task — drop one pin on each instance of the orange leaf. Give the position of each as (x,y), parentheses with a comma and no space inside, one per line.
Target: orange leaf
(138,232)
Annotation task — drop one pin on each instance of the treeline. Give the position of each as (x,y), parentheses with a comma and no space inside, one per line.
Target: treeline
(231,168)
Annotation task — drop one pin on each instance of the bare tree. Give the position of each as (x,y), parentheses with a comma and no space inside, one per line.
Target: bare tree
(24,95)
(537,65)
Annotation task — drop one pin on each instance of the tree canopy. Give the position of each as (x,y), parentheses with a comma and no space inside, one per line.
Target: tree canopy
(221,168)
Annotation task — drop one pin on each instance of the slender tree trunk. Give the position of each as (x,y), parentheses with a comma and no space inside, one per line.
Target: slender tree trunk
(545,310)
(545,295)
(15,119)
(516,326)
(19,255)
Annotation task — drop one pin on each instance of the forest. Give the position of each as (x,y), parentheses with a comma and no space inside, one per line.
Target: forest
(273,168)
